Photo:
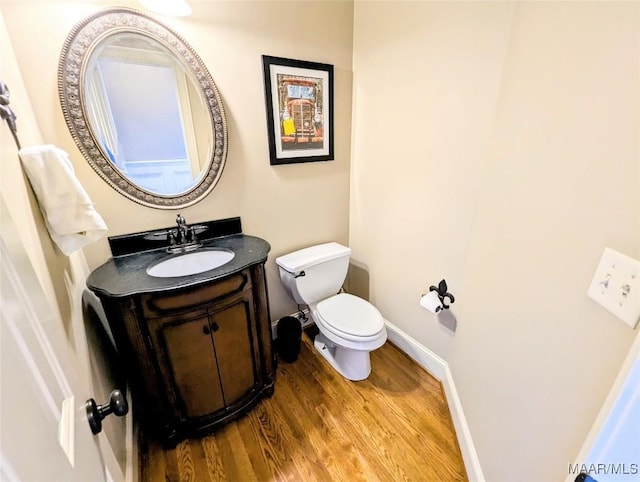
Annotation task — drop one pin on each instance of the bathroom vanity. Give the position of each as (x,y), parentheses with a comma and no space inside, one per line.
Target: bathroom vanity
(197,348)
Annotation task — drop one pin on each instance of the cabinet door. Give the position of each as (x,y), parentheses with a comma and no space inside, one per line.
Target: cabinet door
(233,345)
(191,361)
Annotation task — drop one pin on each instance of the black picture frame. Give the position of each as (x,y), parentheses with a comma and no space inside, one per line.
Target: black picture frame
(299,106)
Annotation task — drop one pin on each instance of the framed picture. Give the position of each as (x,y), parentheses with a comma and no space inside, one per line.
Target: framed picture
(299,101)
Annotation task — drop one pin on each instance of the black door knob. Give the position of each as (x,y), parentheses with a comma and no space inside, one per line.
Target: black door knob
(95,413)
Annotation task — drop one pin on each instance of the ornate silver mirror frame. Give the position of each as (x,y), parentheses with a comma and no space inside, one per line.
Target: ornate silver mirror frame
(85,37)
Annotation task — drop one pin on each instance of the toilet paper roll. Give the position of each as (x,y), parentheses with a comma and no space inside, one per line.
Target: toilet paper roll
(431,302)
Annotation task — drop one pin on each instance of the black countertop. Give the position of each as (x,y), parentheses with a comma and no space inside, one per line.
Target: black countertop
(126,275)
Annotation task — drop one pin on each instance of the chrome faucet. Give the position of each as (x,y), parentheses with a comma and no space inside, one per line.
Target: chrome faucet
(183,229)
(183,238)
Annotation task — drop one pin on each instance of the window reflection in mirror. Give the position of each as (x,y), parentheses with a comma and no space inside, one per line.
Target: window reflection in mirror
(146,114)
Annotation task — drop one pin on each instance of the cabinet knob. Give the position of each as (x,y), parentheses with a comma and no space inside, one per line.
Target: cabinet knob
(214,326)
(206,330)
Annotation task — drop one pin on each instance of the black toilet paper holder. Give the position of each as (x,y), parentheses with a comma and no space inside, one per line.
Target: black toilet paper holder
(441,289)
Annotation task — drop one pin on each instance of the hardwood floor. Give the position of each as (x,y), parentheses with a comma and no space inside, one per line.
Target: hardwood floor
(319,426)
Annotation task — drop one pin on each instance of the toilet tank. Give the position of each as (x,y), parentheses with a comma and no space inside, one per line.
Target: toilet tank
(325,269)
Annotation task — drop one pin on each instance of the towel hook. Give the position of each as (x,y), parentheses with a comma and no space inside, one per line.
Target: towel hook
(7,114)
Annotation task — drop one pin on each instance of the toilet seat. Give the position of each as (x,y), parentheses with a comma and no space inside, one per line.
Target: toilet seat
(350,317)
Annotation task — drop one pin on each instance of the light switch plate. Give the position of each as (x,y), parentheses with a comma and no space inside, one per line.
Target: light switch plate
(616,286)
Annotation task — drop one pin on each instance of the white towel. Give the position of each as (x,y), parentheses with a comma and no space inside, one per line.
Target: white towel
(69,214)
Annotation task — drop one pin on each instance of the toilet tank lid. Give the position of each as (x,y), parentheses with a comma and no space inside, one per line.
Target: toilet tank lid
(307,257)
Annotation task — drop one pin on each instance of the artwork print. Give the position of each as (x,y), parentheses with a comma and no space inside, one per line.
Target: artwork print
(298,97)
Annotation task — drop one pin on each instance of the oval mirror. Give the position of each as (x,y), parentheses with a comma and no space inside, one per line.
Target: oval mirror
(142,108)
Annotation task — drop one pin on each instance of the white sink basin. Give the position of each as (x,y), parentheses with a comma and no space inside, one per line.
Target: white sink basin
(191,263)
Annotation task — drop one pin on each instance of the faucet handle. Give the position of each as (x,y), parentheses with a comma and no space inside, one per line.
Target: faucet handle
(171,235)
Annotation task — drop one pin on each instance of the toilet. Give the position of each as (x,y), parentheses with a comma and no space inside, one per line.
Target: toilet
(350,327)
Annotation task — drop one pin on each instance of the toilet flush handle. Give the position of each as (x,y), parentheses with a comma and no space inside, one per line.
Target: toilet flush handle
(295,275)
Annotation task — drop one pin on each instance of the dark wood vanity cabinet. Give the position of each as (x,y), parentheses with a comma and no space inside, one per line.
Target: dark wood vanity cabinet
(199,356)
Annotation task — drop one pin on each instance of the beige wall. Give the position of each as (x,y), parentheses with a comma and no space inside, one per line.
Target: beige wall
(496,145)
(290,206)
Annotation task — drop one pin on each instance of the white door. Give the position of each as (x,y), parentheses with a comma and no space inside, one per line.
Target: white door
(611,452)
(615,456)
(44,433)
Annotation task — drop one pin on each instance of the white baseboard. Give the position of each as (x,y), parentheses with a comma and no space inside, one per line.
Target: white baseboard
(439,368)
(419,353)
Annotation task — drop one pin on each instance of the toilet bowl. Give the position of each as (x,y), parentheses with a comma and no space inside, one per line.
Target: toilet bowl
(349,327)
